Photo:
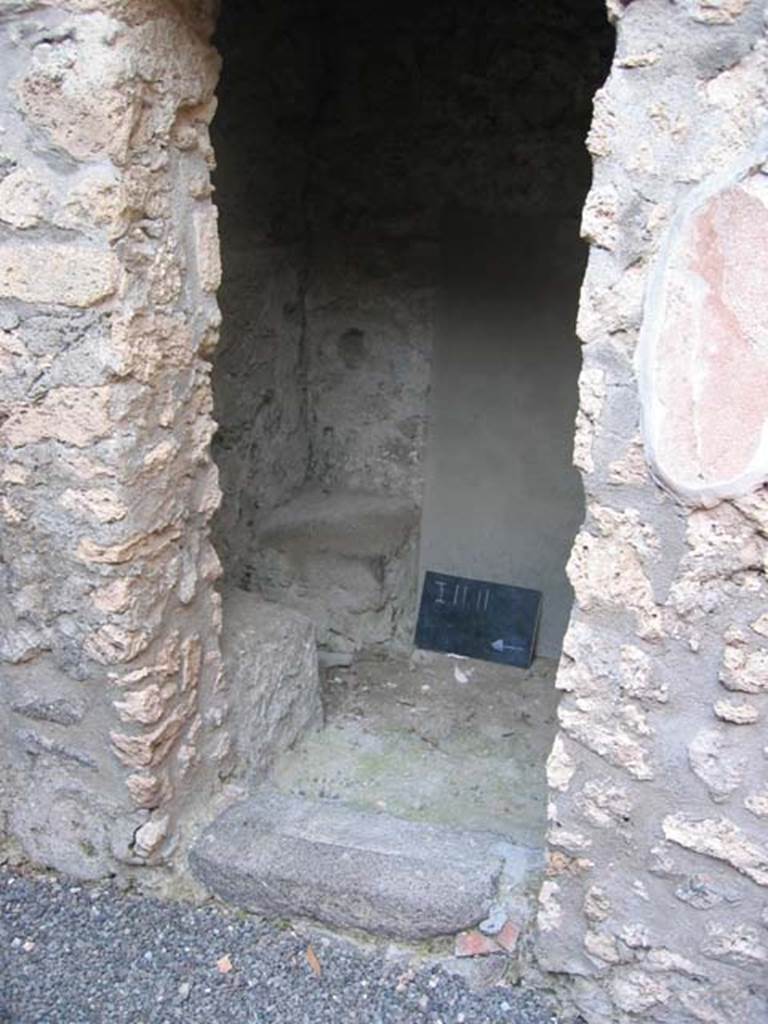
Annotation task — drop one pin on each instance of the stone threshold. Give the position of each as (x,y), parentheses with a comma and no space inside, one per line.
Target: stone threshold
(278,856)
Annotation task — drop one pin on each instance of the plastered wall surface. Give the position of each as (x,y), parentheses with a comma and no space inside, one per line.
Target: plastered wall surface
(656,900)
(502,499)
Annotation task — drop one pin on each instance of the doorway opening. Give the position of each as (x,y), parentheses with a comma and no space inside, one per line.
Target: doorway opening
(400,187)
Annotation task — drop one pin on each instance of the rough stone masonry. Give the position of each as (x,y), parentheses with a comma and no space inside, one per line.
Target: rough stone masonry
(115,730)
(656,900)
(109,264)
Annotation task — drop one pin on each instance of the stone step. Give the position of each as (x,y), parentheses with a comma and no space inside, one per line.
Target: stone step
(280,856)
(354,524)
(346,559)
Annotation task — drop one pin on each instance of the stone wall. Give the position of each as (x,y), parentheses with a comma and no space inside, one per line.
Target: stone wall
(110,689)
(655,907)
(260,135)
(113,732)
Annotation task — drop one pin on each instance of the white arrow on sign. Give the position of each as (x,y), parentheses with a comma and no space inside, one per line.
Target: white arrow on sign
(502,645)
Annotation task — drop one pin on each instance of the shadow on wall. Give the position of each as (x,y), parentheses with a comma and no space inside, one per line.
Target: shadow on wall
(377,164)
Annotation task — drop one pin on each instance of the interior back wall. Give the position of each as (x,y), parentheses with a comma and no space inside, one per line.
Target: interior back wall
(344,134)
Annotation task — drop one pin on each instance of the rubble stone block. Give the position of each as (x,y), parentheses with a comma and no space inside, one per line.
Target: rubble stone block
(270,659)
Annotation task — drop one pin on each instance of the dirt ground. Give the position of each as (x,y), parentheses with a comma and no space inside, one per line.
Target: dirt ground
(434,738)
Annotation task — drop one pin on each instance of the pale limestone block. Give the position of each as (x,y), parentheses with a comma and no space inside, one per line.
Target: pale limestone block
(191,662)
(615,9)
(148,789)
(592,393)
(717,761)
(84,467)
(631,468)
(636,676)
(602,947)
(138,546)
(741,945)
(166,664)
(161,455)
(600,138)
(115,596)
(13,352)
(721,839)
(151,836)
(597,906)
(637,992)
(101,504)
(71,415)
(187,754)
(142,344)
(10,513)
(644,59)
(571,841)
(166,274)
(82,94)
(616,733)
(608,571)
(145,707)
(24,199)
(150,749)
(15,473)
(744,670)
(97,200)
(599,222)
(605,804)
(560,766)
(550,912)
(639,889)
(67,275)
(719,12)
(111,643)
(757,803)
(611,307)
(736,713)
(207,247)
(667,960)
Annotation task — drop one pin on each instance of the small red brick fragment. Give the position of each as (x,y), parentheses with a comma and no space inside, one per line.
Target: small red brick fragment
(508,936)
(474,943)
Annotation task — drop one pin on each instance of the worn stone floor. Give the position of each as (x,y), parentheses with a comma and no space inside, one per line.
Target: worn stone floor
(436,739)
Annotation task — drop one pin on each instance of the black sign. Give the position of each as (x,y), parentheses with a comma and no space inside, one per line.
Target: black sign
(491,621)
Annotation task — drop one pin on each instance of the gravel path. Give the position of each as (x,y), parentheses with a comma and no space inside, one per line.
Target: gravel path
(86,954)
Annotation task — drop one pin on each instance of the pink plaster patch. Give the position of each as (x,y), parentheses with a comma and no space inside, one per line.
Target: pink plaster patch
(703,354)
(474,943)
(508,936)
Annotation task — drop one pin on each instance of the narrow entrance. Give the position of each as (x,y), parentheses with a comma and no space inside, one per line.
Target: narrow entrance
(399,188)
